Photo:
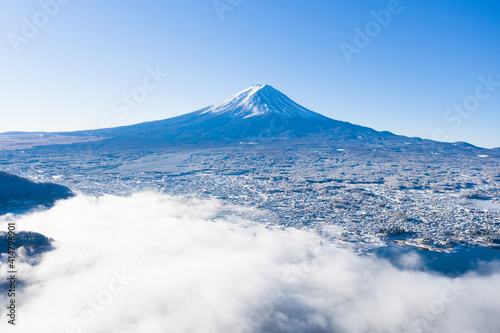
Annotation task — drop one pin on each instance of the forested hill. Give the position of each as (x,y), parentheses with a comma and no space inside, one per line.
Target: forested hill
(18,194)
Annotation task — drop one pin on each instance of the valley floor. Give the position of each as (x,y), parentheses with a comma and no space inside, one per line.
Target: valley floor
(430,196)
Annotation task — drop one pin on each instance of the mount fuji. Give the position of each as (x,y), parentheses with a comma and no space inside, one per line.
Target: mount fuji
(257,113)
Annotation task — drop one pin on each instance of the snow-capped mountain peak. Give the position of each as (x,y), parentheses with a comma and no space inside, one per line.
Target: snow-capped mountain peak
(258,112)
(259,100)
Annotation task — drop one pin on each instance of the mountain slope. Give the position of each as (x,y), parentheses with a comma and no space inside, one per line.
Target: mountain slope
(18,194)
(260,100)
(256,113)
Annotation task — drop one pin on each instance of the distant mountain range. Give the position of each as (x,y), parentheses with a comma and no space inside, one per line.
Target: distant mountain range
(258,113)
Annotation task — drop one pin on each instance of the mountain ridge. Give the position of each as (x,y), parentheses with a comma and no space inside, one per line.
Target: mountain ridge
(255,114)
(258,100)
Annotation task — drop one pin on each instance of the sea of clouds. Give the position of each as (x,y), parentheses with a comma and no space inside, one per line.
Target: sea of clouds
(156,263)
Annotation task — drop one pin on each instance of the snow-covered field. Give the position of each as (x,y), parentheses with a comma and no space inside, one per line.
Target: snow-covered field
(438,196)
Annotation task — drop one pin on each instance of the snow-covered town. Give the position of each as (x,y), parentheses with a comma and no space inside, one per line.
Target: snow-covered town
(430,198)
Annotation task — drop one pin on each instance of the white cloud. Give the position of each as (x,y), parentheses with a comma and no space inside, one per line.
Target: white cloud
(195,273)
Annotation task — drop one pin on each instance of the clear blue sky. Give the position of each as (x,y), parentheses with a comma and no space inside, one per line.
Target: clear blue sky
(72,72)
